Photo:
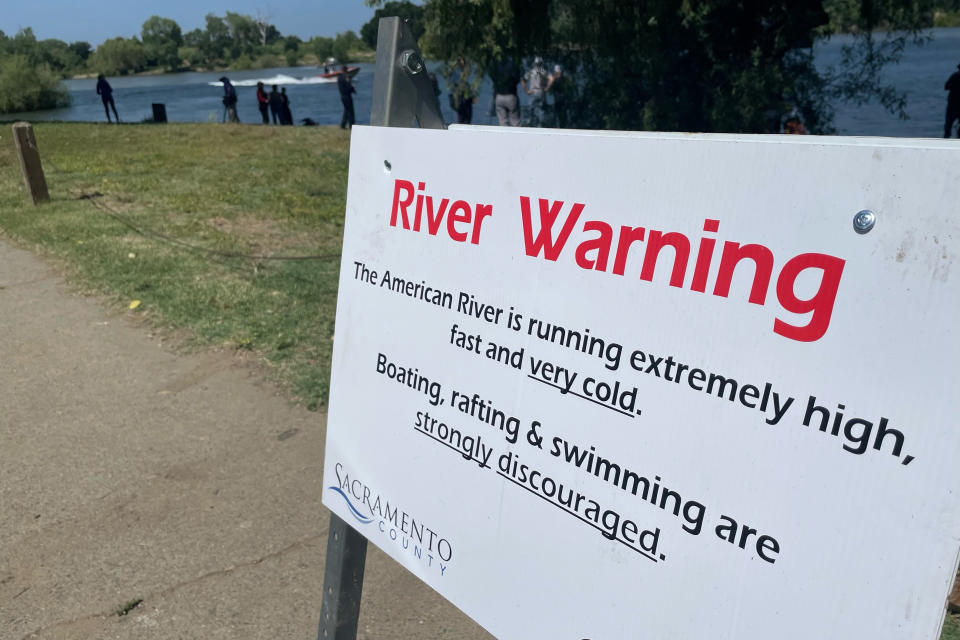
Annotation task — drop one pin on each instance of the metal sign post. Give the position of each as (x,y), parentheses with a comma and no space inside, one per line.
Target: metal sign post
(403,96)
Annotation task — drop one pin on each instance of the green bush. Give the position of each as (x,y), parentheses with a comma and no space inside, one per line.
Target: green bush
(242,63)
(29,88)
(269,61)
(189,55)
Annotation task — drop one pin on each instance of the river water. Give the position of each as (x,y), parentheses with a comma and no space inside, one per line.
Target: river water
(190,97)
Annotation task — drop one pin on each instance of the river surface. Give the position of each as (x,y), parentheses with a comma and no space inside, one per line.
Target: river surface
(193,97)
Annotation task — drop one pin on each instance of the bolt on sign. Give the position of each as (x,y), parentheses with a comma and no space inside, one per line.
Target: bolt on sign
(600,385)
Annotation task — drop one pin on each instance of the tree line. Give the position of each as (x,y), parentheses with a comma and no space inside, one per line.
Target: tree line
(31,70)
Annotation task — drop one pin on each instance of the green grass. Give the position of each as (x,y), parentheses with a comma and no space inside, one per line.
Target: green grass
(951,628)
(255,190)
(125,608)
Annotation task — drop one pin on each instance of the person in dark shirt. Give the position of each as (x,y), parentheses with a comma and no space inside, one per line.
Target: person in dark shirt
(286,116)
(276,104)
(105,91)
(263,103)
(346,97)
(506,76)
(229,100)
(953,102)
(463,95)
(559,87)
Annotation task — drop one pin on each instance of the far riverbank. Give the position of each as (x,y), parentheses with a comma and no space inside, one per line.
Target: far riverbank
(189,97)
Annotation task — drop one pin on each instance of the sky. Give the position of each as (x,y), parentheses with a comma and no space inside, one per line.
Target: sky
(94,22)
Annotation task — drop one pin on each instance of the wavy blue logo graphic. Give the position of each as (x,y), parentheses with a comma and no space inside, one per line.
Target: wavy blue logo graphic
(356,513)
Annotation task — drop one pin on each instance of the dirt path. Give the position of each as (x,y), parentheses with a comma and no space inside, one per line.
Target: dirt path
(128,472)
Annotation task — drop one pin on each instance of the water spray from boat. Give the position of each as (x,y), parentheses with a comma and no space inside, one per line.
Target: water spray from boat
(329,76)
(280,80)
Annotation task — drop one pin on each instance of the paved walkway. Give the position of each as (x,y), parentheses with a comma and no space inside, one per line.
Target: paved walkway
(130,472)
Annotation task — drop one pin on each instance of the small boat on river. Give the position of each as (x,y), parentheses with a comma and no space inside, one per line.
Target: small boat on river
(332,69)
(351,71)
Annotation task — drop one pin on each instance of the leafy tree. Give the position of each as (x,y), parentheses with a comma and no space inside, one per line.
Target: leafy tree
(714,65)
(24,43)
(403,9)
(291,49)
(244,34)
(54,55)
(189,55)
(344,44)
(25,87)
(81,49)
(161,38)
(214,41)
(119,56)
(58,56)
(322,47)
(193,38)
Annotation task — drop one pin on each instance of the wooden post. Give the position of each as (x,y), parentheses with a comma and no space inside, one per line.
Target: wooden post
(30,162)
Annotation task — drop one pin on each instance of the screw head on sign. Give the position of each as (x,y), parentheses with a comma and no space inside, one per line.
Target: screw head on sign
(411,62)
(864,221)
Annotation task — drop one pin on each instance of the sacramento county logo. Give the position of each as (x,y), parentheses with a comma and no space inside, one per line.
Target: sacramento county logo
(403,529)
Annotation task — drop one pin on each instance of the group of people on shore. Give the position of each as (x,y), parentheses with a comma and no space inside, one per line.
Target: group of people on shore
(506,74)
(277,103)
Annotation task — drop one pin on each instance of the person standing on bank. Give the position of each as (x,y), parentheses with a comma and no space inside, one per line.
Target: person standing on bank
(534,82)
(463,95)
(105,91)
(346,97)
(506,76)
(229,100)
(953,102)
(262,101)
(276,104)
(286,116)
(558,86)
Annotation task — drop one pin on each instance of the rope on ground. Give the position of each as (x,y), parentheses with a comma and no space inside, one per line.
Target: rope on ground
(106,209)
(119,217)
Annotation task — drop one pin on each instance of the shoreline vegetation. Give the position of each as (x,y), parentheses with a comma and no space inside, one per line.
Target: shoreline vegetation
(31,70)
(310,60)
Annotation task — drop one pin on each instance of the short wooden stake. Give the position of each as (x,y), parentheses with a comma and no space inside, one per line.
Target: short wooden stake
(30,162)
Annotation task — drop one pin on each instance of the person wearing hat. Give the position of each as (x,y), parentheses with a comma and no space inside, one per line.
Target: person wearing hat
(953,102)
(229,100)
